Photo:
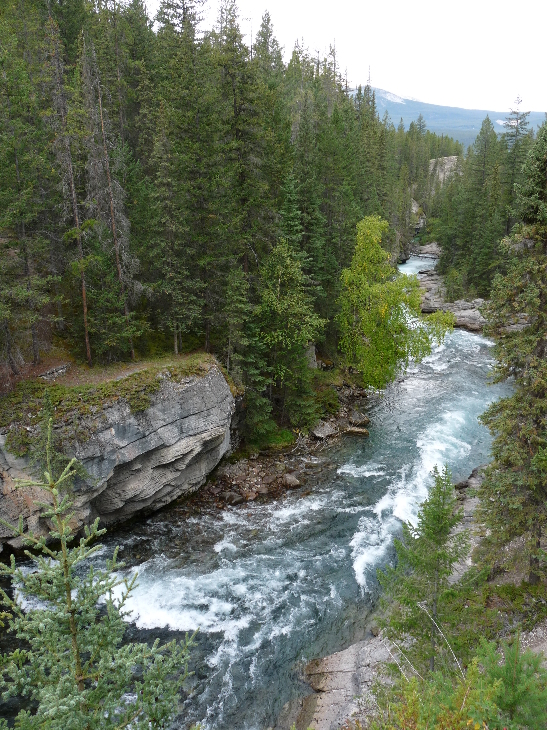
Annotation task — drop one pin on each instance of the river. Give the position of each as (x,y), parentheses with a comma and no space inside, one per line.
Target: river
(272,585)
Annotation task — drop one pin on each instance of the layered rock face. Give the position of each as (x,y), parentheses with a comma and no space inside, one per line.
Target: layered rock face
(136,463)
(467,314)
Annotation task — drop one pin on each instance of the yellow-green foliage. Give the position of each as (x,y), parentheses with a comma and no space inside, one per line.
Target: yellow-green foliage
(380,309)
(437,703)
(22,410)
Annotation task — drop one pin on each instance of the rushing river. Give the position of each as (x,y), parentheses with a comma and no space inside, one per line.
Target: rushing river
(272,585)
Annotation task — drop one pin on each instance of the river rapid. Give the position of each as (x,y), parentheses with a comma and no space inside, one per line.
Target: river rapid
(272,585)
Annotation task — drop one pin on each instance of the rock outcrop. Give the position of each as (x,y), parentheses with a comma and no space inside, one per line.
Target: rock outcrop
(441,168)
(343,682)
(430,250)
(467,314)
(342,685)
(136,462)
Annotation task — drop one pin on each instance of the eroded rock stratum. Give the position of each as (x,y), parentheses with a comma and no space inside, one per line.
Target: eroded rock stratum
(135,462)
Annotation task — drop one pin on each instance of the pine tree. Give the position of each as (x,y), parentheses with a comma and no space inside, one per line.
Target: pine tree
(517,140)
(106,196)
(415,588)
(63,149)
(520,680)
(76,670)
(288,323)
(291,227)
(24,175)
(514,493)
(238,312)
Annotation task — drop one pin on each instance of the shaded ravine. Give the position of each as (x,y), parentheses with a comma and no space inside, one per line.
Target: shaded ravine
(274,584)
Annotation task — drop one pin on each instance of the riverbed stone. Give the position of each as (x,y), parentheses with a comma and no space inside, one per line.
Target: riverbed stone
(290,481)
(323,430)
(232,497)
(359,419)
(358,431)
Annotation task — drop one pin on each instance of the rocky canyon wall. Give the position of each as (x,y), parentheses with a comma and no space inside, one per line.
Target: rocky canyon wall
(135,463)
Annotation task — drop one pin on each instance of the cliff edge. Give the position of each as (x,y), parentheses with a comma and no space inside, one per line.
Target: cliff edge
(135,462)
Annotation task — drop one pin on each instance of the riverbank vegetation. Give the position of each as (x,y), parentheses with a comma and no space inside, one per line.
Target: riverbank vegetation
(71,668)
(169,188)
(476,207)
(485,677)
(455,642)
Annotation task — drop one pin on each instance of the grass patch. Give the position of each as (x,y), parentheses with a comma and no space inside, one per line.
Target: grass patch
(22,410)
(236,388)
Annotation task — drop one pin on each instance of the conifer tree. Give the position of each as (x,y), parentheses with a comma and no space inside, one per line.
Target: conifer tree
(291,227)
(514,493)
(76,670)
(106,195)
(517,139)
(415,588)
(288,323)
(63,149)
(24,173)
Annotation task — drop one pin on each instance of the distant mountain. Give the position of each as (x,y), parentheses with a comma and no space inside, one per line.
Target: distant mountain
(462,124)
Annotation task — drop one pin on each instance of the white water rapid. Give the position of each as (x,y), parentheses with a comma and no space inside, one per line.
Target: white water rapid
(274,584)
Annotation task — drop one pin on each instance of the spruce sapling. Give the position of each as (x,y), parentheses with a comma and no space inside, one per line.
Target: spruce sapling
(69,617)
(426,556)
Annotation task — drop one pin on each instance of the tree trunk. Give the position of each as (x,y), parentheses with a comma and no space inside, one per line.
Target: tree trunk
(207,335)
(35,347)
(33,330)
(433,626)
(112,214)
(118,72)
(534,576)
(175,339)
(13,367)
(72,187)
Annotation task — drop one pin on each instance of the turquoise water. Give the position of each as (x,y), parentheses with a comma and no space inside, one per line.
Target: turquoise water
(273,585)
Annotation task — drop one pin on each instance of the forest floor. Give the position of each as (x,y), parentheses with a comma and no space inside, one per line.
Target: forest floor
(59,367)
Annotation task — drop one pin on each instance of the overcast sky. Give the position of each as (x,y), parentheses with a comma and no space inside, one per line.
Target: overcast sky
(477,54)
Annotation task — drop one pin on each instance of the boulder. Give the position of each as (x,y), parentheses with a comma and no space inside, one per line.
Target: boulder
(467,314)
(290,481)
(358,431)
(232,497)
(359,419)
(430,249)
(323,430)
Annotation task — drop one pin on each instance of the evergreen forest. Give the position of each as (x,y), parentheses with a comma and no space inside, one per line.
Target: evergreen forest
(477,207)
(167,188)
(162,186)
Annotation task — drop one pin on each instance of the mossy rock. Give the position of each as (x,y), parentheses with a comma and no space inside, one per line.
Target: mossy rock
(23,410)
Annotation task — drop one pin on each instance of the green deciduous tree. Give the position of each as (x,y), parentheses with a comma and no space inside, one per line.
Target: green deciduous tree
(379,309)
(74,665)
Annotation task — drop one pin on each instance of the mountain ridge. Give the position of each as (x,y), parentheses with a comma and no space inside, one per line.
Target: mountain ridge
(458,122)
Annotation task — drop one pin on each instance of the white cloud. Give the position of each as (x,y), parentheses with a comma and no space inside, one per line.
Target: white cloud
(439,52)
